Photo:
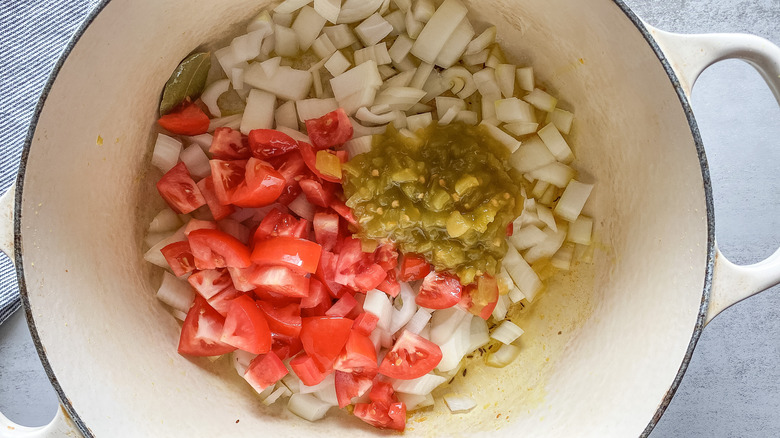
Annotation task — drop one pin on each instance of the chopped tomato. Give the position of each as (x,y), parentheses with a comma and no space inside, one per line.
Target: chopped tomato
(356,269)
(281,280)
(365,323)
(369,277)
(412,356)
(227,176)
(392,416)
(326,272)
(278,223)
(187,119)
(221,301)
(215,249)
(414,267)
(229,144)
(481,298)
(219,211)
(298,254)
(197,224)
(285,346)
(241,276)
(390,285)
(323,338)
(285,320)
(510,229)
(245,327)
(262,185)
(359,355)
(317,295)
(264,371)
(315,192)
(344,211)
(267,143)
(179,190)
(202,330)
(439,290)
(350,386)
(386,256)
(235,229)
(293,168)
(209,282)
(179,258)
(326,229)
(382,393)
(310,158)
(331,130)
(343,306)
(307,370)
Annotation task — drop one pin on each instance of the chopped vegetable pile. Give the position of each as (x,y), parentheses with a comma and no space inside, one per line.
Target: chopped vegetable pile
(364,194)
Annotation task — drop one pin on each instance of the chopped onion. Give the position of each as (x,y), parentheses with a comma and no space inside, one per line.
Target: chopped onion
(573,199)
(196,161)
(467,117)
(291,381)
(277,393)
(286,116)
(235,229)
(525,78)
(202,140)
(341,36)
(328,9)
(504,356)
(423,10)
(152,239)
(456,346)
(359,145)
(165,220)
(166,152)
(557,174)
(400,48)
(399,98)
(480,43)
(524,277)
(232,122)
(357,87)
(286,42)
(541,100)
(400,317)
(226,59)
(237,78)
(561,119)
(549,246)
(438,29)
(580,231)
(212,93)
(355,10)
(546,215)
(531,155)
(271,66)
(403,5)
(444,323)
(246,47)
(360,130)
(154,256)
(476,59)
(511,143)
(505,76)
(413,27)
(308,406)
(418,321)
(521,128)
(241,360)
(364,115)
(378,303)
(261,21)
(323,47)
(259,111)
(486,83)
(562,259)
(460,81)
(414,401)
(514,110)
(302,207)
(507,332)
(556,143)
(527,237)
(449,116)
(419,386)
(315,108)
(478,334)
(287,83)
(458,404)
(328,395)
(329,380)
(176,293)
(307,27)
(516,295)
(337,64)
(502,306)
(443,104)
(290,6)
(373,30)
(378,53)
(456,44)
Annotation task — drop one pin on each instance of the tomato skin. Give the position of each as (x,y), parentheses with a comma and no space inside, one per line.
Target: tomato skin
(327,272)
(298,254)
(386,256)
(285,346)
(309,155)
(245,327)
(284,320)
(227,176)
(218,211)
(390,285)
(209,282)
(439,290)
(414,267)
(324,337)
(215,249)
(370,277)
(326,229)
(262,185)
(264,371)
(266,143)
(365,323)
(281,280)
(344,211)
(358,356)
(510,229)
(221,301)
(179,190)
(315,193)
(197,224)
(332,129)
(412,356)
(343,306)
(241,276)
(317,295)
(187,119)
(229,144)
(278,223)
(481,298)
(350,385)
(384,417)
(201,332)
(179,257)
(307,370)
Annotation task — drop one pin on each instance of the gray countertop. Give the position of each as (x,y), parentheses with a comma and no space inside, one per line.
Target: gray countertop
(732,387)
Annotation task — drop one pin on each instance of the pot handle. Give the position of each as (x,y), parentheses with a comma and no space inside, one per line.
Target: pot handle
(689,56)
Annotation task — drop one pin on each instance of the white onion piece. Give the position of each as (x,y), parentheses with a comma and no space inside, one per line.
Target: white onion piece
(486,83)
(232,122)
(438,29)
(235,229)
(361,131)
(286,42)
(459,404)
(414,401)
(287,83)
(403,5)
(413,27)
(359,145)
(449,116)
(504,356)
(562,120)
(355,10)
(551,193)
(378,53)
(328,9)
(357,87)
(291,381)
(541,100)
(525,78)
(546,215)
(259,111)
(423,10)
(341,36)
(408,308)
(477,59)
(556,143)
(434,86)
(329,380)
(456,44)
(527,237)
(155,257)
(226,59)
(563,257)
(444,322)
(557,174)
(516,295)
(511,143)
(526,279)
(419,386)
(467,117)
(460,81)
(166,152)
(444,104)
(456,346)
(152,239)
(419,121)
(242,214)
(373,30)
(241,360)
(315,108)
(261,21)
(212,93)
(286,116)
(271,66)
(176,293)
(419,321)
(531,155)
(507,332)
(364,115)
(196,161)
(397,19)
(480,43)
(399,98)
(277,393)
(337,64)
(323,47)
(202,140)
(402,79)
(502,306)
(308,406)
(513,110)
(539,188)
(246,47)
(580,231)
(237,78)
(302,207)
(378,303)
(549,246)
(328,395)
(573,200)
(421,75)
(165,221)
(478,334)
(307,26)
(290,6)
(521,128)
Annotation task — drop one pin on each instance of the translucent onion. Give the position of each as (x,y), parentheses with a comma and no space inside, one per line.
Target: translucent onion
(503,356)
(458,404)
(196,161)
(419,386)
(302,207)
(507,332)
(308,406)
(176,293)
(166,152)
(408,308)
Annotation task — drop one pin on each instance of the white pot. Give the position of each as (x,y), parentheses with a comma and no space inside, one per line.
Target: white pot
(627,323)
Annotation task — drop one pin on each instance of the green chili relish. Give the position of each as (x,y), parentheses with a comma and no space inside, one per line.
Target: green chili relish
(447,194)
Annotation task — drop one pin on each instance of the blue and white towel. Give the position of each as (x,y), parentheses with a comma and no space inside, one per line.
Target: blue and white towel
(33,34)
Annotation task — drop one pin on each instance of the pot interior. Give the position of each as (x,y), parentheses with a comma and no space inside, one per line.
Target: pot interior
(602,346)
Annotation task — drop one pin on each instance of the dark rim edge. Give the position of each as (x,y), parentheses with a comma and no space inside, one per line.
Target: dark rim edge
(65,402)
(18,259)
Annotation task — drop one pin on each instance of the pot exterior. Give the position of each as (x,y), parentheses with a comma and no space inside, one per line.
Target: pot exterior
(602,346)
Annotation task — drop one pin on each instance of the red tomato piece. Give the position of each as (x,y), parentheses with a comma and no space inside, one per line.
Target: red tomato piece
(209,282)
(262,185)
(358,356)
(369,278)
(278,223)
(326,229)
(317,295)
(309,155)
(365,323)
(264,371)
(414,267)
(201,332)
(187,119)
(284,320)
(326,273)
(350,386)
(285,346)
(331,130)
(343,306)
(241,276)
(267,143)
(179,257)
(510,229)
(344,211)
(179,190)
(305,367)
(235,229)
(227,176)
(293,168)
(229,144)
(324,337)
(390,284)
(197,224)
(315,193)
(215,249)
(439,290)
(245,327)
(298,254)
(221,301)
(412,356)
(386,256)
(481,298)
(382,393)
(218,211)
(281,280)
(384,417)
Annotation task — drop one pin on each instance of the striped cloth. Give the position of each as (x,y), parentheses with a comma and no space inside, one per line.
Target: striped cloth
(33,33)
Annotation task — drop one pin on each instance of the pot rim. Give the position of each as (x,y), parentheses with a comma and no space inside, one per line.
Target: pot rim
(638,23)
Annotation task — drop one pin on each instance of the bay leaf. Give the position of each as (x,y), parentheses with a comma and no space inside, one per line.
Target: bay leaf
(188,80)
(230,103)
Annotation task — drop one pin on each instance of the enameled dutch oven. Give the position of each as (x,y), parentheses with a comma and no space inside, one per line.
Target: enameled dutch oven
(605,346)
